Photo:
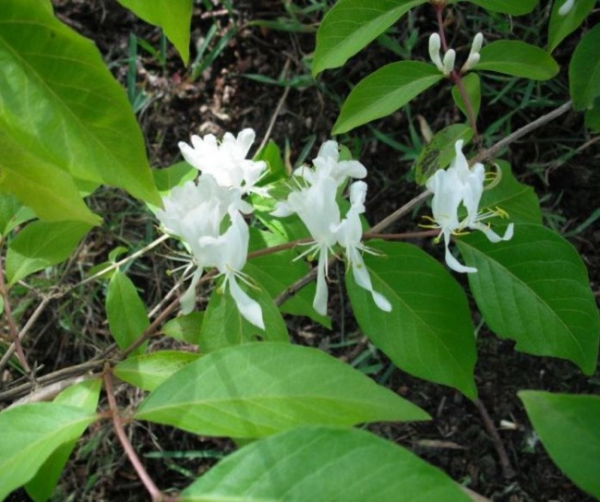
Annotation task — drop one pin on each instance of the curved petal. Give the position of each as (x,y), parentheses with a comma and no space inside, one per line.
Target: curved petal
(363,279)
(249,308)
(322,293)
(188,299)
(454,264)
(493,236)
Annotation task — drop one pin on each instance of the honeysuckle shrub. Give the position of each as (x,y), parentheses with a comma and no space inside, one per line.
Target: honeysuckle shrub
(261,236)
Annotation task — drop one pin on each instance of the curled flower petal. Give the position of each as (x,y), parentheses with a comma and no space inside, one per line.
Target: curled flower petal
(249,308)
(452,262)
(188,299)
(322,293)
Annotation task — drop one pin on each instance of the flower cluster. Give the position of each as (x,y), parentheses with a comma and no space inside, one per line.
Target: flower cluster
(208,215)
(446,65)
(316,205)
(197,213)
(456,186)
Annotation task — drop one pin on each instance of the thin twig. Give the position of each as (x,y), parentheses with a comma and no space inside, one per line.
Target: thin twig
(519,133)
(10,321)
(24,330)
(277,109)
(507,471)
(146,480)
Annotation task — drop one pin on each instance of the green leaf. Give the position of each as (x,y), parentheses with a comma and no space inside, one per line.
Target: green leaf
(323,463)
(30,433)
(519,59)
(271,154)
(384,91)
(172,176)
(428,333)
(440,151)
(223,325)
(173,16)
(472,85)
(592,117)
(512,7)
(351,25)
(518,200)
(562,26)
(85,396)
(569,427)
(62,110)
(584,70)
(42,244)
(12,213)
(127,318)
(148,371)
(258,389)
(535,290)
(185,327)
(49,191)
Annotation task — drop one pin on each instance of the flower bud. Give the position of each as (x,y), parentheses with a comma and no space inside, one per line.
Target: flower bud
(449,59)
(566,7)
(435,44)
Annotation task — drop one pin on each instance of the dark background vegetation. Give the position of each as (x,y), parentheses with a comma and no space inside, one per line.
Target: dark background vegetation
(259,51)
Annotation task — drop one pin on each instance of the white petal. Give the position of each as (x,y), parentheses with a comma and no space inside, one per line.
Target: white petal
(363,279)
(493,236)
(249,308)
(453,263)
(322,293)
(188,299)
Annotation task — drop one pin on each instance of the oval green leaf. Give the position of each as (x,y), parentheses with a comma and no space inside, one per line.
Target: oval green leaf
(518,59)
(258,389)
(561,27)
(584,70)
(223,325)
(440,151)
(428,333)
(512,7)
(42,244)
(535,290)
(85,396)
(126,312)
(569,427)
(385,91)
(148,371)
(30,433)
(60,105)
(323,463)
(351,25)
(185,327)
(173,16)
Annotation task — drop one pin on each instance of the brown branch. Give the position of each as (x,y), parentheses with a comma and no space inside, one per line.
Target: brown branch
(146,480)
(10,321)
(507,471)
(519,133)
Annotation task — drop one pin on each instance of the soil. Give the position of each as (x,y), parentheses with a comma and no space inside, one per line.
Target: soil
(227,96)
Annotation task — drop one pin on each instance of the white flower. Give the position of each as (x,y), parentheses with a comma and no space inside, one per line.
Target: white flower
(566,7)
(226,161)
(349,235)
(228,253)
(455,186)
(195,213)
(328,163)
(317,208)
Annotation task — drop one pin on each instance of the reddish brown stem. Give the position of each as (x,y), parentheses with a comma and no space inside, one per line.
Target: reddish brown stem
(155,493)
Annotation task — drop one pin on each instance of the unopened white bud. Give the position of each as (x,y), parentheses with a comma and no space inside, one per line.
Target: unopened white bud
(449,59)
(471,61)
(477,44)
(566,7)
(435,43)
